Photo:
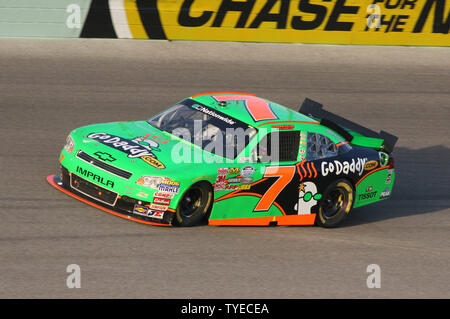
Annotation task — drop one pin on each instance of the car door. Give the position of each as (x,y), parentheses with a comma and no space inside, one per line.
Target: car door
(276,157)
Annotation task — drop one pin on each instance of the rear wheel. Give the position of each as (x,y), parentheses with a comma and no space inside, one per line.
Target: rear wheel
(194,207)
(335,204)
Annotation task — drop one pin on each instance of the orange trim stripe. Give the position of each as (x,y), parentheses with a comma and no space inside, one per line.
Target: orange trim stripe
(275,122)
(252,221)
(341,143)
(51,182)
(230,195)
(307,219)
(212,93)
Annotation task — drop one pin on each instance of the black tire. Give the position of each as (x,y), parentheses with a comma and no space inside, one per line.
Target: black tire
(194,206)
(335,204)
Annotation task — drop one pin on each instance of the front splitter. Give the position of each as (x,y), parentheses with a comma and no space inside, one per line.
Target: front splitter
(53,180)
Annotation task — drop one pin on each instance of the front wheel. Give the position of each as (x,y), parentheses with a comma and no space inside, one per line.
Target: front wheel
(335,204)
(193,208)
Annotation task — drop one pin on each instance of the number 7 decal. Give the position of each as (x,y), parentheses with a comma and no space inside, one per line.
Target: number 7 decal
(285,175)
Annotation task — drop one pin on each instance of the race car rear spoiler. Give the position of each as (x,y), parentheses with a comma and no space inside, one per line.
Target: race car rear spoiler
(347,129)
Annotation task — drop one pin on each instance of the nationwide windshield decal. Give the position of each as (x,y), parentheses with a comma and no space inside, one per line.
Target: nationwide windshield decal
(139,147)
(214,114)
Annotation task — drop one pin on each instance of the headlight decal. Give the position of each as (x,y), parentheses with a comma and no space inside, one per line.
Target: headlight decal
(70,144)
(150,181)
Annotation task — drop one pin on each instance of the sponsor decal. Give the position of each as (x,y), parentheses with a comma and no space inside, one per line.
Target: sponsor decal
(156,214)
(247,171)
(201,178)
(153,161)
(221,180)
(140,210)
(337,167)
(369,188)
(161,201)
(385,193)
(158,207)
(168,181)
(284,127)
(367,195)
(106,157)
(95,177)
(243,180)
(224,186)
(214,114)
(384,158)
(140,147)
(222,183)
(389,176)
(307,198)
(370,165)
(163,195)
(302,146)
(374,22)
(169,186)
(222,171)
(343,22)
(145,211)
(244,187)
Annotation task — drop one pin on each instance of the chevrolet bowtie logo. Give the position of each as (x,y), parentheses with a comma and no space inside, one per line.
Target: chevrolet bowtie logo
(105,156)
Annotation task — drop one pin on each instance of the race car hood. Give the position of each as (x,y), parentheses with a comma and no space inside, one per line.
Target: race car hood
(132,146)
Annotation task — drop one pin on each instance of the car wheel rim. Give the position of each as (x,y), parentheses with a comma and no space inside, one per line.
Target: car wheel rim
(334,202)
(191,201)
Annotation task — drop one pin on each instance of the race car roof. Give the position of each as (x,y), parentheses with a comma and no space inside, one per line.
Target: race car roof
(249,108)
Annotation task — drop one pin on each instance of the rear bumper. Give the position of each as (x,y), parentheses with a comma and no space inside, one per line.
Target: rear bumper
(110,202)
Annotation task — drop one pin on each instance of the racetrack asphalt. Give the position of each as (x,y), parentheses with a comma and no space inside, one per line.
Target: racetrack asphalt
(49,87)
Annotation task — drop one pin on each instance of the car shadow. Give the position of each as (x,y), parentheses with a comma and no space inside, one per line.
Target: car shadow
(422,185)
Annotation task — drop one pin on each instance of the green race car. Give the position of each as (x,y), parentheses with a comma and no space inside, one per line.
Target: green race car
(227,158)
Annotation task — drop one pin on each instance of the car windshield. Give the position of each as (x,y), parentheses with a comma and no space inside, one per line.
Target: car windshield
(207,127)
